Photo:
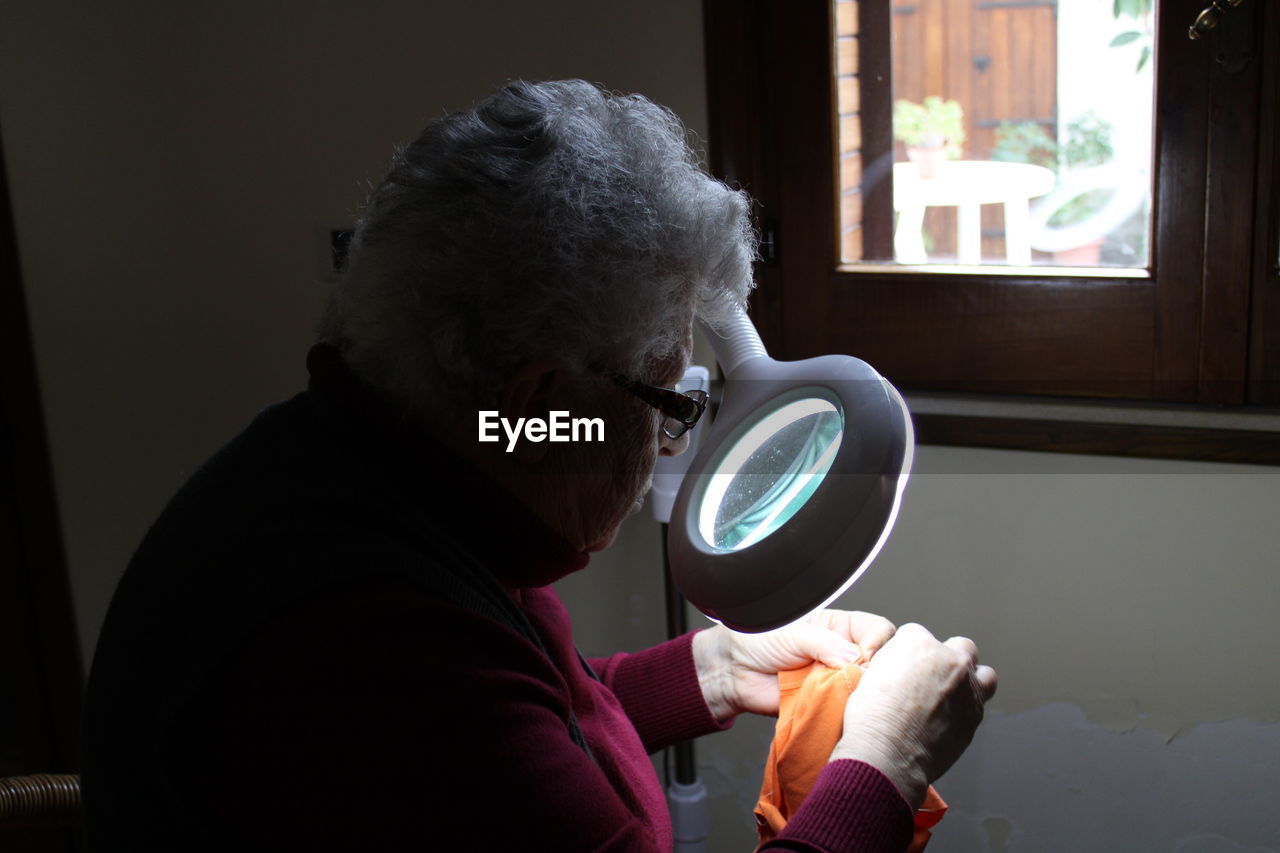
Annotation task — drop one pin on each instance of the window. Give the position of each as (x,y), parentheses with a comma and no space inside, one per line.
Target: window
(1021,133)
(1184,311)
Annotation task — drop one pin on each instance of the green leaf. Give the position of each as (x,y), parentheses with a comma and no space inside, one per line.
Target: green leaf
(1146,54)
(1126,38)
(1130,8)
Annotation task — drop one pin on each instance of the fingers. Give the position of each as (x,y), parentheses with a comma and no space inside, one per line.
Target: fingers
(867,630)
(836,637)
(808,641)
(911,635)
(984,682)
(983,678)
(966,647)
(914,632)
(917,707)
(870,631)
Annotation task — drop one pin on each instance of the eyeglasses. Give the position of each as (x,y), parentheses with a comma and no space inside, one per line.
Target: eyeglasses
(681,409)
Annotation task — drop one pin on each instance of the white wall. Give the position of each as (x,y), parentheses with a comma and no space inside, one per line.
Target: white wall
(1129,608)
(174,173)
(175,169)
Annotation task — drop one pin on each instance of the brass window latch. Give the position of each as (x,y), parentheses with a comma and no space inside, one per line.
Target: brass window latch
(1207,20)
(1234,38)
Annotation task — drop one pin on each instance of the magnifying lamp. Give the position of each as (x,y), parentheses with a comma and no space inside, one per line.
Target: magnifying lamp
(795,488)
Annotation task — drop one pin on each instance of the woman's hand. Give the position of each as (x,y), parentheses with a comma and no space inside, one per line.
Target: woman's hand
(916,709)
(738,672)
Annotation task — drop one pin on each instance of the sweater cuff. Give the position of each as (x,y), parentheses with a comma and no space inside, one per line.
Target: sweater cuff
(852,807)
(660,693)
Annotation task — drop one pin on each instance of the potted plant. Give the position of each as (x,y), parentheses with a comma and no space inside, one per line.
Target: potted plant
(1025,142)
(932,132)
(1087,146)
(1088,141)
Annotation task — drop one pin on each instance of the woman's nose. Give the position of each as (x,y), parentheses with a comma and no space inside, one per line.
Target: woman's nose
(668,446)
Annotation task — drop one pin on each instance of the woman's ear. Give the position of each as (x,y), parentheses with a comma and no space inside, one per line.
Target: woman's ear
(534,390)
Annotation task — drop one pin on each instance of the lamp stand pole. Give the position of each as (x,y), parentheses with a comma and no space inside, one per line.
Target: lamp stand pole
(686,795)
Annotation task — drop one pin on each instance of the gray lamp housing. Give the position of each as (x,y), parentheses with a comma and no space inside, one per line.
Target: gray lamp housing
(825,544)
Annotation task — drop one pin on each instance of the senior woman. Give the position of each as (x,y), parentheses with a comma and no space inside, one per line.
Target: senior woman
(341,635)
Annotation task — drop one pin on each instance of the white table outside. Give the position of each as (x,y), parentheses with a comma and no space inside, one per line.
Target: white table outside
(967,185)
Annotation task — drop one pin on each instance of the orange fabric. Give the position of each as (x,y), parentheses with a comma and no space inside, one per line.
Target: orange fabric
(810,721)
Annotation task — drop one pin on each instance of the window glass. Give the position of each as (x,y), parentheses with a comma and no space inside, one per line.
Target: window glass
(1021,132)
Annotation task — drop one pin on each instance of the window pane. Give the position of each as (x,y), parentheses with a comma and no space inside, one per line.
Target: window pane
(1021,132)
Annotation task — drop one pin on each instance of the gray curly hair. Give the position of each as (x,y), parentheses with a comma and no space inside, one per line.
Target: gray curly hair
(551,219)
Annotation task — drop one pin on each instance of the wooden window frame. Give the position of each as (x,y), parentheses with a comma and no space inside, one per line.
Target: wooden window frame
(1200,333)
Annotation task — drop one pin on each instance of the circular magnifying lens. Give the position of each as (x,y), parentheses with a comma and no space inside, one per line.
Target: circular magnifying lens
(794,491)
(769,473)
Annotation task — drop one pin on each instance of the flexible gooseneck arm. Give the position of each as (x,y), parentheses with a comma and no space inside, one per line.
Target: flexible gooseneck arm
(735,342)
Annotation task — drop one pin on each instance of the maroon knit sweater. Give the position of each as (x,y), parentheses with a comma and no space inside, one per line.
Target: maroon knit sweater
(429,727)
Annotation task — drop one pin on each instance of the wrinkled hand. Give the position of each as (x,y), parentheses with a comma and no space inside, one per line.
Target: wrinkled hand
(739,672)
(916,708)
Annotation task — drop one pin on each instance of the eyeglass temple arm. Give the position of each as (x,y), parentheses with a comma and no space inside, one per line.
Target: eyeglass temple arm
(734,342)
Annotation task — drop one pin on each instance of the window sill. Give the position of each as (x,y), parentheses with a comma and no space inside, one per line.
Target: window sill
(1246,435)
(1046,271)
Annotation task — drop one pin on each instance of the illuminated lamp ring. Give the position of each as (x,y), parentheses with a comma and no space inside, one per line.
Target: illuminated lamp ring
(835,534)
